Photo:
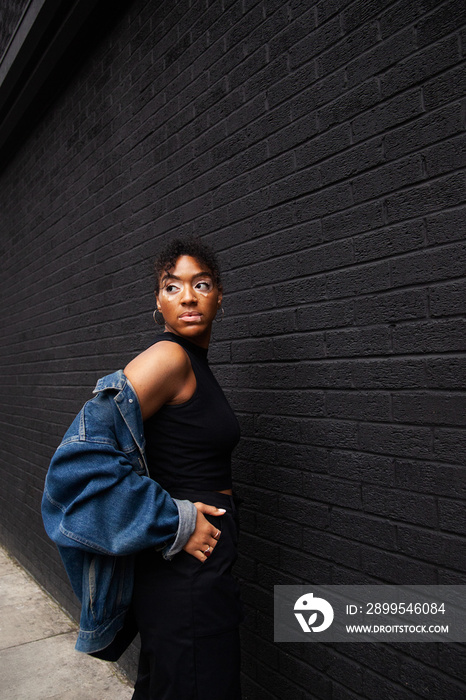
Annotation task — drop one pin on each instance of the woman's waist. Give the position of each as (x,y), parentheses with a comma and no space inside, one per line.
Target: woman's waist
(210,497)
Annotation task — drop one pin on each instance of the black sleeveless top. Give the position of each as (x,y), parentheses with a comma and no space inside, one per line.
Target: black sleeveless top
(189,445)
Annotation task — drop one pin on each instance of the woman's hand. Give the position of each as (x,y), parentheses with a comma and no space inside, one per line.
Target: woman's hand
(203,541)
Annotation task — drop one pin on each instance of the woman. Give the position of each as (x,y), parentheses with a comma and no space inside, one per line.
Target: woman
(188,609)
(138,499)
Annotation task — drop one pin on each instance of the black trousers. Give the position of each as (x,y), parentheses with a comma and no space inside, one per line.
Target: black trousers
(188,614)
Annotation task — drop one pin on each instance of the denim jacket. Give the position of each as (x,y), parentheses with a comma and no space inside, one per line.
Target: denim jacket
(101,507)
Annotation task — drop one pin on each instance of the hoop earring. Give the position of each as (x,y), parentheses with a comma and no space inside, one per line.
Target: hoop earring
(219,319)
(159,320)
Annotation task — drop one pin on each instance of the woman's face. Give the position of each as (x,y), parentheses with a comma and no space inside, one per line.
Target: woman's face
(189,300)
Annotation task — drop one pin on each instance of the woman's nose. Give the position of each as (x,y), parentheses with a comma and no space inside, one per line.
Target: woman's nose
(188,295)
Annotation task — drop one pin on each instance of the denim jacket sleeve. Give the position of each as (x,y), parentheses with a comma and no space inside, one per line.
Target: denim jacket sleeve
(98,496)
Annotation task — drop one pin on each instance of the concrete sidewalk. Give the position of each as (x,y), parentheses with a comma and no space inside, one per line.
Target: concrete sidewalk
(37,656)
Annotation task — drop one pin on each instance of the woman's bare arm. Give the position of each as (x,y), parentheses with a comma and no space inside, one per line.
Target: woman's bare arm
(159,375)
(162,374)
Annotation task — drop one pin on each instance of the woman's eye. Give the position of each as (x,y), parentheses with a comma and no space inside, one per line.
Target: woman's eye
(171,288)
(204,286)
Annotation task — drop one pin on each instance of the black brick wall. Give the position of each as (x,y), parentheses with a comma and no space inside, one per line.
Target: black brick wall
(10,14)
(318,147)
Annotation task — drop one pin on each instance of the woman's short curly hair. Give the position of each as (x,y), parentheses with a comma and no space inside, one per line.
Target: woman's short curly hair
(195,248)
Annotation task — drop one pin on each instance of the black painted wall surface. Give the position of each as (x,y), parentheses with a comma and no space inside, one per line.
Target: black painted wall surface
(318,147)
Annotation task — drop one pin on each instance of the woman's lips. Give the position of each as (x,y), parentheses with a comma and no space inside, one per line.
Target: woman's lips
(191,316)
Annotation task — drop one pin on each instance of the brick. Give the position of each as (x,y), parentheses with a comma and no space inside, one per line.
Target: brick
(445,373)
(423,132)
(364,528)
(381,56)
(305,566)
(429,336)
(292,34)
(402,441)
(389,241)
(203,98)
(277,531)
(242,30)
(360,342)
(221,108)
(445,226)
(247,206)
(385,689)
(387,115)
(262,223)
(400,505)
(430,408)
(362,467)
(296,238)
(248,68)
(328,490)
(445,88)
(324,257)
(443,158)
(331,548)
(299,346)
(226,18)
(325,10)
(302,511)
(434,547)
(306,677)
(346,672)
(363,279)
(325,201)
(421,66)
(452,516)
(451,660)
(388,178)
(295,186)
(300,291)
(272,171)
(447,18)
(293,135)
(426,680)
(353,161)
(360,12)
(324,315)
(390,307)
(341,693)
(426,199)
(398,568)
(402,14)
(448,299)
(351,45)
(306,457)
(364,217)
(282,90)
(323,146)
(349,105)
(315,42)
(358,405)
(450,445)
(272,681)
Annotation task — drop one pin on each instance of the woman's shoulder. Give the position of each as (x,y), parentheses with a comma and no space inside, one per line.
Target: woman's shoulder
(162,357)
(158,374)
